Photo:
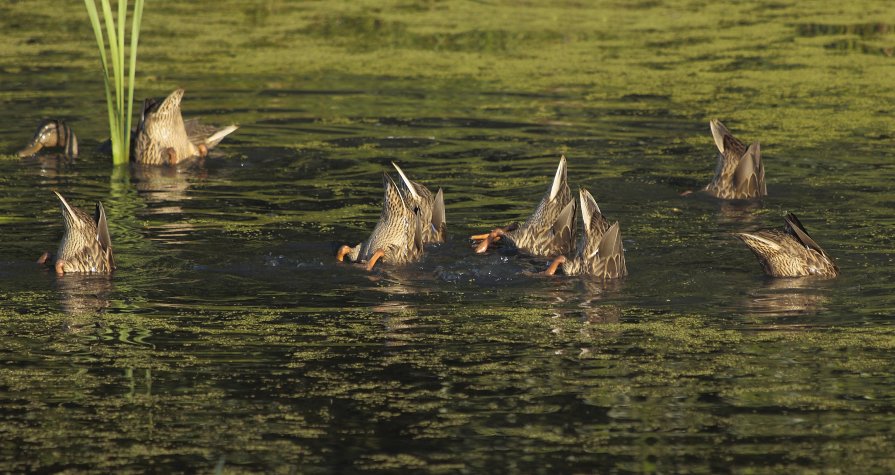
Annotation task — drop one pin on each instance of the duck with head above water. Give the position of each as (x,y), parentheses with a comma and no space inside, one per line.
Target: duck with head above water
(739,174)
(163,138)
(789,252)
(52,133)
(549,231)
(600,252)
(397,237)
(86,245)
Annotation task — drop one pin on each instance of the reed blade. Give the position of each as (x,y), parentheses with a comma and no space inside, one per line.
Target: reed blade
(120,108)
(122,21)
(137,17)
(116,57)
(100,43)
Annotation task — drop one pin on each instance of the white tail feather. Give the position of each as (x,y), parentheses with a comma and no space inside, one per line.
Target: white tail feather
(717,133)
(766,242)
(406,181)
(558,178)
(220,134)
(588,206)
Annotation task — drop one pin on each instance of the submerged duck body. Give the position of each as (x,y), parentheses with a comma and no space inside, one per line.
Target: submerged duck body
(600,252)
(789,252)
(431,208)
(86,246)
(550,229)
(397,237)
(164,138)
(52,134)
(739,174)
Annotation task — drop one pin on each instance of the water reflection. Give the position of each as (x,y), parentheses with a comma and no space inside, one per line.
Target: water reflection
(593,306)
(52,165)
(160,184)
(739,212)
(84,294)
(787,297)
(164,189)
(863,30)
(861,47)
(394,293)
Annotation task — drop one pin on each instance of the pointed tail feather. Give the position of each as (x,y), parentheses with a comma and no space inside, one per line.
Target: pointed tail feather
(564,227)
(559,179)
(718,133)
(795,228)
(406,181)
(439,222)
(759,244)
(589,207)
(216,138)
(67,207)
(102,226)
(613,252)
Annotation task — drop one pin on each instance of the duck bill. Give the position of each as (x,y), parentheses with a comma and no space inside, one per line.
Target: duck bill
(30,150)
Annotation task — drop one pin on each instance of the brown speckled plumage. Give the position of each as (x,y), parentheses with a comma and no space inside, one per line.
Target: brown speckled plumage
(550,230)
(790,252)
(52,134)
(739,174)
(431,208)
(600,252)
(86,245)
(163,138)
(398,234)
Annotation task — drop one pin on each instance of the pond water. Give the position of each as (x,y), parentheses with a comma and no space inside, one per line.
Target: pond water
(231,340)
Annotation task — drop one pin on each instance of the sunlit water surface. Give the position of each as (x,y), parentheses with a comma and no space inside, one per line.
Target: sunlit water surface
(230,339)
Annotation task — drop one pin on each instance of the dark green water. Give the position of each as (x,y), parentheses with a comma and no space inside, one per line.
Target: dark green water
(230,339)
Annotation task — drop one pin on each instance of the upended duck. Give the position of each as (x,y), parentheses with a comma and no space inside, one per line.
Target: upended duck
(52,134)
(549,231)
(739,174)
(164,138)
(86,245)
(397,237)
(789,252)
(431,208)
(600,252)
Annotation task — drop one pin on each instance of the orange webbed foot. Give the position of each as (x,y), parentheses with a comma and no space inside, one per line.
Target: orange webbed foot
(483,246)
(490,238)
(555,265)
(342,252)
(60,267)
(374,258)
(203,150)
(172,156)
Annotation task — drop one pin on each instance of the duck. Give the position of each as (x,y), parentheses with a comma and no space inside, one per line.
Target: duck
(164,138)
(790,252)
(398,236)
(86,245)
(52,133)
(550,229)
(600,252)
(431,208)
(739,174)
